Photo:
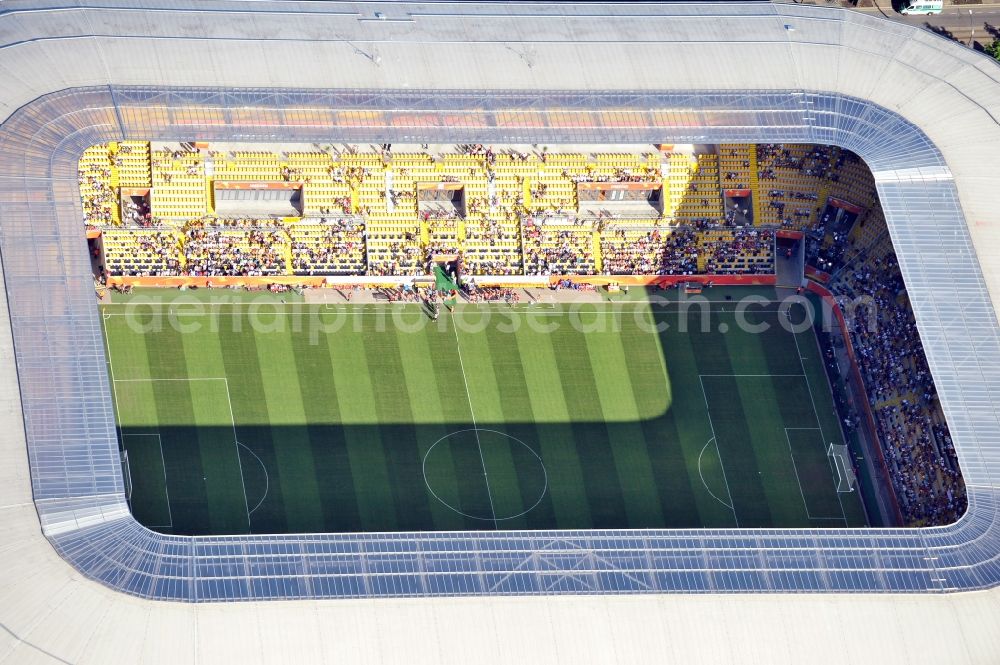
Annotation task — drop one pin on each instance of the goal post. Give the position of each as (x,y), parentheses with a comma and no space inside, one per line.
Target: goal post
(126,475)
(844,476)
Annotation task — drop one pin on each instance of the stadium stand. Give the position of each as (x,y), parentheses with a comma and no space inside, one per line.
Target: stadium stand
(911,426)
(507,212)
(328,246)
(513,213)
(794,177)
(236,248)
(558,246)
(736,165)
(736,251)
(148,252)
(519,211)
(131,160)
(492,246)
(179,185)
(694,187)
(632,248)
(97,186)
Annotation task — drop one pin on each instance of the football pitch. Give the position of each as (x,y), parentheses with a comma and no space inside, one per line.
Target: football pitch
(287,417)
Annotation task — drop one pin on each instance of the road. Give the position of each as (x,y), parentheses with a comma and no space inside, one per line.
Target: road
(968,24)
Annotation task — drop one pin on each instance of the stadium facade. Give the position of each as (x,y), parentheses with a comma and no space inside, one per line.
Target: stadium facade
(920,111)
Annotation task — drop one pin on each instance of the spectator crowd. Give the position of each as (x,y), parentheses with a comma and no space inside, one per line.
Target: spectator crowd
(912,431)
(914,436)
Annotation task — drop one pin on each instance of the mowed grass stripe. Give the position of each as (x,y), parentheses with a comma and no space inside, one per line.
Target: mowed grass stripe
(554,434)
(813,366)
(777,402)
(327,439)
(691,419)
(590,434)
(486,397)
(246,389)
(651,388)
(772,350)
(286,415)
(125,347)
(800,351)
(356,399)
(220,454)
(394,409)
(812,466)
(819,382)
(829,420)
(179,434)
(149,497)
(429,416)
(730,422)
(460,447)
(135,408)
(541,388)
(621,415)
(518,419)
(819,490)
(734,441)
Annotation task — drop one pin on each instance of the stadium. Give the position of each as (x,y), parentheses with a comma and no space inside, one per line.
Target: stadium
(647,155)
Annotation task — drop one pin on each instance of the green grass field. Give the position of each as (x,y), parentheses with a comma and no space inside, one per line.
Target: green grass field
(291,417)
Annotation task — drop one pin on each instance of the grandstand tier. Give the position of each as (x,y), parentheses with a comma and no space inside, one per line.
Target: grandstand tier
(731,70)
(513,211)
(158,211)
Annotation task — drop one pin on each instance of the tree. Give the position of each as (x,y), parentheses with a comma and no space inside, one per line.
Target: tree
(994,48)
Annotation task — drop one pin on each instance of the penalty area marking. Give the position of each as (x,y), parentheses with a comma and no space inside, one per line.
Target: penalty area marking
(711,425)
(166,490)
(798,481)
(236,441)
(819,423)
(267,478)
(707,488)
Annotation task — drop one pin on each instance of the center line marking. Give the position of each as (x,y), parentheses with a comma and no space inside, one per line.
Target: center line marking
(475,428)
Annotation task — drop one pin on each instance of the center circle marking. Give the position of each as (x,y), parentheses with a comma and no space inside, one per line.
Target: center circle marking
(478,431)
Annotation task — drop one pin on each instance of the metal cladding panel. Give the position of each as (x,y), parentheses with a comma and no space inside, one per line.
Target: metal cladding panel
(720,72)
(69,424)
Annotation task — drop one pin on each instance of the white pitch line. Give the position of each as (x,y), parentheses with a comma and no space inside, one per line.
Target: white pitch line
(711,425)
(232,419)
(795,468)
(236,442)
(479,445)
(268,308)
(830,454)
(166,490)
(753,375)
(802,365)
(111,368)
(707,488)
(193,378)
(267,477)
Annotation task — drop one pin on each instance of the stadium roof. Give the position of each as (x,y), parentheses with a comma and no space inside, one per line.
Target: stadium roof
(922,112)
